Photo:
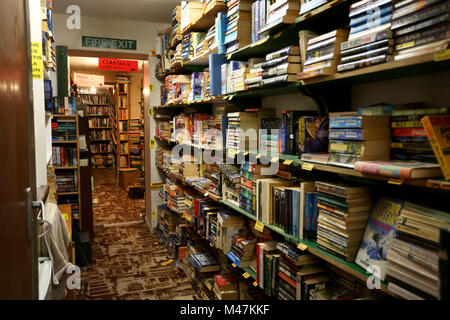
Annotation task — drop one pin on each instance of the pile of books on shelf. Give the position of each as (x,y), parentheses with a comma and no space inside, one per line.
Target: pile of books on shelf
(225,287)
(281,66)
(190,12)
(253,78)
(211,227)
(93,99)
(189,167)
(102,161)
(269,136)
(242,132)
(237,72)
(413,256)
(104,111)
(370,40)
(198,39)
(409,138)
(343,213)
(175,34)
(243,248)
(323,54)
(64,130)
(309,5)
(175,200)
(164,126)
(231,185)
(167,222)
(64,156)
(281,12)
(98,123)
(358,138)
(100,147)
(179,88)
(420,27)
(259,15)
(238,29)
(66,181)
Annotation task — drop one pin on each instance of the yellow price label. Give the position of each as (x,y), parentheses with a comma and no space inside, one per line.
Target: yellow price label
(307,166)
(259,226)
(153,214)
(65,216)
(211,244)
(167,262)
(255,284)
(150,112)
(245,153)
(442,55)
(302,246)
(246,275)
(396,181)
(258,156)
(153,53)
(288,162)
(275,159)
(152,87)
(234,265)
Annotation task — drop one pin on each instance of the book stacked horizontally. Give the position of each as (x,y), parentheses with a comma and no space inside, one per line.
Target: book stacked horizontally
(242,132)
(189,168)
(231,183)
(176,199)
(176,35)
(281,11)
(309,5)
(281,66)
(64,130)
(229,223)
(167,222)
(413,259)
(343,213)
(190,12)
(210,42)
(225,287)
(205,262)
(187,50)
(66,181)
(323,54)
(253,78)
(238,29)
(198,39)
(370,40)
(409,138)
(357,138)
(249,174)
(243,249)
(420,27)
(237,74)
(269,136)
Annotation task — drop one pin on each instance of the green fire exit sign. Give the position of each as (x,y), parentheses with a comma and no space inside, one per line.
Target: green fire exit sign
(108,43)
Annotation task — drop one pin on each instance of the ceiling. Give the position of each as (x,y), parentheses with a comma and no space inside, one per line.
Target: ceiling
(140,10)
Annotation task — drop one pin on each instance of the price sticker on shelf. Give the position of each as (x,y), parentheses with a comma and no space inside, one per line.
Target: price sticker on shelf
(153,53)
(150,112)
(277,35)
(288,162)
(307,166)
(302,246)
(259,226)
(153,214)
(396,181)
(152,87)
(245,153)
(167,262)
(234,265)
(255,284)
(275,159)
(258,156)
(442,55)
(246,275)
(210,244)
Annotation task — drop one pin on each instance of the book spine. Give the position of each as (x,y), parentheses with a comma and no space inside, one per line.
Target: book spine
(431,134)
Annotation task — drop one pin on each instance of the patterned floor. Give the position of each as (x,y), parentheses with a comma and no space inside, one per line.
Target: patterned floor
(126,262)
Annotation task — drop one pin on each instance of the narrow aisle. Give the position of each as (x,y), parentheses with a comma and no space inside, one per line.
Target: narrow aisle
(126,262)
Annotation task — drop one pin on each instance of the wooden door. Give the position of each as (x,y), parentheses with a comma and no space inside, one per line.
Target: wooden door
(18,263)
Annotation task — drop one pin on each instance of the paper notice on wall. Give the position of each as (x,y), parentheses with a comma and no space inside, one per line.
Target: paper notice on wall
(37,65)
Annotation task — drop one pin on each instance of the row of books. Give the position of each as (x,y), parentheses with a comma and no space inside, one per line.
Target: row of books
(66,181)
(87,99)
(100,147)
(64,156)
(64,129)
(102,160)
(99,122)
(98,135)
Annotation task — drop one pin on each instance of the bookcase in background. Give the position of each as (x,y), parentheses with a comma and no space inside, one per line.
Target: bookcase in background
(123,123)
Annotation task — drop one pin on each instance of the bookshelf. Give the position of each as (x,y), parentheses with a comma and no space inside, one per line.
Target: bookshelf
(122,124)
(66,161)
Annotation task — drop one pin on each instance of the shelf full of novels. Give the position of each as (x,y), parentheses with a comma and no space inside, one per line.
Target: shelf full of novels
(98,109)
(313,18)
(123,123)
(66,158)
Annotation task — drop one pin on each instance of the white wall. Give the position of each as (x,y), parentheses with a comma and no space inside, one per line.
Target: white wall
(143,32)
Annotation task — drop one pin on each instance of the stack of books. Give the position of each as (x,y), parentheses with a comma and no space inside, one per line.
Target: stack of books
(253,78)
(175,35)
(190,12)
(357,138)
(167,223)
(211,227)
(189,168)
(309,5)
(269,136)
(370,40)
(198,39)
(196,93)
(176,199)
(187,47)
(66,181)
(413,258)
(420,27)
(204,262)
(64,130)
(249,174)
(225,287)
(343,213)
(238,70)
(238,29)
(323,54)
(281,66)
(409,138)
(231,185)
(243,249)
(238,124)
(281,11)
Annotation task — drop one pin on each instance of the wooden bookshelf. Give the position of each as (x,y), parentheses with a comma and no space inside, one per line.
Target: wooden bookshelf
(122,106)
(208,17)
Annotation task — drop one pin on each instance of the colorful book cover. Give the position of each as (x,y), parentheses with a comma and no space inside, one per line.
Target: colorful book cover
(313,134)
(395,168)
(381,228)
(348,134)
(438,132)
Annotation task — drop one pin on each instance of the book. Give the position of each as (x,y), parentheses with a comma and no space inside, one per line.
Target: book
(380,230)
(400,169)
(437,129)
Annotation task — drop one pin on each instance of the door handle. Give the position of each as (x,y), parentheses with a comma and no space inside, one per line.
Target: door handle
(29,213)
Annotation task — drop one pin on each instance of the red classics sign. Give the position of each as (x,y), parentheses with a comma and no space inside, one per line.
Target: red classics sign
(118,65)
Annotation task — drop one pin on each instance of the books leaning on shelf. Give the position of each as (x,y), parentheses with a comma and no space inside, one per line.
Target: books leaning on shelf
(64,156)
(323,54)
(400,169)
(370,40)
(413,259)
(420,27)
(281,11)
(238,29)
